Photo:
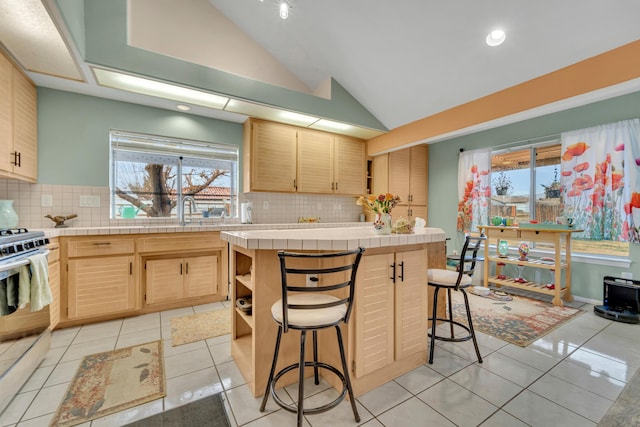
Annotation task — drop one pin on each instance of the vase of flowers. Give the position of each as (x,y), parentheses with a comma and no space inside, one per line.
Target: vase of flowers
(381,206)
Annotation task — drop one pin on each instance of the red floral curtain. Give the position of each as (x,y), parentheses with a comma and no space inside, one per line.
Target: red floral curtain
(474,189)
(600,180)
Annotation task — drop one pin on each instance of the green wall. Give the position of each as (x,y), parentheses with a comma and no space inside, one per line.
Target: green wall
(443,174)
(73,133)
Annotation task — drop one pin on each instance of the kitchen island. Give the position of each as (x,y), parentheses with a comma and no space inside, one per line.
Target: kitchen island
(387,333)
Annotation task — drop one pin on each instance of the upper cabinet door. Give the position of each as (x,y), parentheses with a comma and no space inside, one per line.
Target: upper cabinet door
(418,179)
(350,168)
(25,128)
(315,168)
(399,174)
(6,114)
(273,157)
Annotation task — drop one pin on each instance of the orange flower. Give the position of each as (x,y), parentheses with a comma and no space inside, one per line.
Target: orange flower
(581,167)
(574,192)
(635,200)
(616,180)
(474,169)
(583,183)
(567,156)
(566,173)
(577,149)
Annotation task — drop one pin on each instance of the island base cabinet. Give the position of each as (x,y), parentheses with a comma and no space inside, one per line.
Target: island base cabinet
(389,324)
(100,286)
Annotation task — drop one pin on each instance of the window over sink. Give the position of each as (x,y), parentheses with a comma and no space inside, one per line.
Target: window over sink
(150,174)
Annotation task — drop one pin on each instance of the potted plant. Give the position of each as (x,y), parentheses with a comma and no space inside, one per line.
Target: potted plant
(502,184)
(552,191)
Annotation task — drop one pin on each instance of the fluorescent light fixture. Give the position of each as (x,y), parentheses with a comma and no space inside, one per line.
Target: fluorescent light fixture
(330,125)
(284,10)
(495,38)
(158,89)
(290,116)
(269,113)
(182,107)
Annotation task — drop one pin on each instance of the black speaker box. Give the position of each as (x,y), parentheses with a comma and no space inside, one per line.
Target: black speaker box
(621,300)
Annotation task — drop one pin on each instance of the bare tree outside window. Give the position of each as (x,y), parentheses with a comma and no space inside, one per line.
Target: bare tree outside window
(147,177)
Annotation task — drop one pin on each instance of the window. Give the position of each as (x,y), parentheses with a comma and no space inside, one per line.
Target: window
(151,174)
(533,192)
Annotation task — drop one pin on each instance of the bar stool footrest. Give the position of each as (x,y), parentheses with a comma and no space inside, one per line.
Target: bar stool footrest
(455,339)
(319,409)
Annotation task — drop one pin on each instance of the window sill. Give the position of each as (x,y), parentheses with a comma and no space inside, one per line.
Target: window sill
(594,259)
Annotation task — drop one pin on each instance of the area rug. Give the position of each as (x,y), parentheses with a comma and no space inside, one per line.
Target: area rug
(625,411)
(207,412)
(519,321)
(196,327)
(111,382)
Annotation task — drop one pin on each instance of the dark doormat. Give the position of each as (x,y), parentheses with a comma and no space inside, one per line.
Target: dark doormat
(207,412)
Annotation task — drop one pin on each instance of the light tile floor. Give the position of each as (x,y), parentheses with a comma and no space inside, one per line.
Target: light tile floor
(570,377)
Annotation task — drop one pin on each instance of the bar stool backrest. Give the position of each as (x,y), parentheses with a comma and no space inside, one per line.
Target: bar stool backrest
(469,255)
(328,278)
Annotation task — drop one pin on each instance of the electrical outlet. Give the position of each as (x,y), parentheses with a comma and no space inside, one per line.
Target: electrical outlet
(627,275)
(265,205)
(89,201)
(46,200)
(312,280)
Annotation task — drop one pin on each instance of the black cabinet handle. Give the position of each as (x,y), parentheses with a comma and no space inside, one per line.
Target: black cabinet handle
(393,275)
(187,268)
(181,269)
(402,271)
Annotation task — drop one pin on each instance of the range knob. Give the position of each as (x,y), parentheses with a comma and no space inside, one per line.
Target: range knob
(16,248)
(12,249)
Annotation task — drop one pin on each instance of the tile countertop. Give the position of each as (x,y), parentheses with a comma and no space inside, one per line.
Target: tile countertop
(333,238)
(175,228)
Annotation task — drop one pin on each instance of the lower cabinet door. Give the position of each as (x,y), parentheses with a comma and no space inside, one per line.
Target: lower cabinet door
(164,280)
(201,276)
(100,286)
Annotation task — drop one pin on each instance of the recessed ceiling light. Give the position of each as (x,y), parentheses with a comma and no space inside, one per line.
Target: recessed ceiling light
(495,38)
(183,107)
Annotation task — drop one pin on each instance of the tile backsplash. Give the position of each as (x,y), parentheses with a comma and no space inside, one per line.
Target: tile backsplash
(268,208)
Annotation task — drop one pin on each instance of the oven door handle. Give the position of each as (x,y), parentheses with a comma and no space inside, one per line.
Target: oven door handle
(22,261)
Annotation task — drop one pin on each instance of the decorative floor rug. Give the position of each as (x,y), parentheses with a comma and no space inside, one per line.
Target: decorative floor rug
(111,382)
(519,321)
(207,412)
(625,411)
(196,327)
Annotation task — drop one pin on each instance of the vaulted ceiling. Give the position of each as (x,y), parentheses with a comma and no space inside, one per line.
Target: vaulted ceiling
(402,62)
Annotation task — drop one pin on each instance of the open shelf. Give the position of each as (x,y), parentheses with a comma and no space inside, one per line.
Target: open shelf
(246,280)
(246,317)
(531,286)
(531,262)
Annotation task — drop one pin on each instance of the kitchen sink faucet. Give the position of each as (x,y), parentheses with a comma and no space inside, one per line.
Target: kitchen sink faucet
(192,207)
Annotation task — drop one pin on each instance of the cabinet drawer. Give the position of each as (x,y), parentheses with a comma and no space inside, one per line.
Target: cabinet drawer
(191,242)
(54,252)
(99,246)
(505,233)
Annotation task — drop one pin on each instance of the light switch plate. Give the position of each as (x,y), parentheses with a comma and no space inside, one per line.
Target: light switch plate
(46,200)
(89,201)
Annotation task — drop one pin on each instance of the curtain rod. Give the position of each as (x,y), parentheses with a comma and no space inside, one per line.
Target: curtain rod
(529,141)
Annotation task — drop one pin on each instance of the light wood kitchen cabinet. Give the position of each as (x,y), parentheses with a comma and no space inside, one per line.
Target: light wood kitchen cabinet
(100,277)
(18,124)
(183,270)
(391,296)
(271,148)
(178,278)
(330,164)
(54,282)
(285,158)
(404,172)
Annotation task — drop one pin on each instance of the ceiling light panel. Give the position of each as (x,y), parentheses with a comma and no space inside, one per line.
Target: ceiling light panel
(158,89)
(269,113)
